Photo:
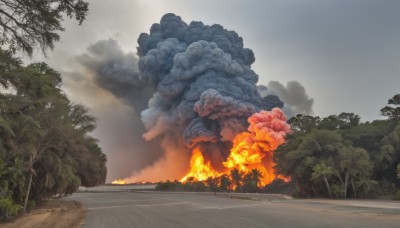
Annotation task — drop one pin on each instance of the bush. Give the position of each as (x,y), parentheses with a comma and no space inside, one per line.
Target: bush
(8,209)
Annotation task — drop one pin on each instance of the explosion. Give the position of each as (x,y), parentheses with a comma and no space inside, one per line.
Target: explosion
(251,150)
(198,169)
(205,97)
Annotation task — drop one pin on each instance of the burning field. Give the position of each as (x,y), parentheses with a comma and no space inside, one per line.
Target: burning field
(206,109)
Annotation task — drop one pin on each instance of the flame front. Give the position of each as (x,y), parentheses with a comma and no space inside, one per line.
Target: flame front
(251,150)
(199,170)
(119,181)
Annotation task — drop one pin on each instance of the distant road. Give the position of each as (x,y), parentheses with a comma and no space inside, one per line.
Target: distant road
(155,209)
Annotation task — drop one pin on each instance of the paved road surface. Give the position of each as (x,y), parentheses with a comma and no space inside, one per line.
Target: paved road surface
(155,209)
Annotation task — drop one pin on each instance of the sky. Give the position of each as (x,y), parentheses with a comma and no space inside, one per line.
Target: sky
(345,53)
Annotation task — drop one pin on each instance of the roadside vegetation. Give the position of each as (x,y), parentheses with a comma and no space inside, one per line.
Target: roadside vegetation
(45,146)
(340,157)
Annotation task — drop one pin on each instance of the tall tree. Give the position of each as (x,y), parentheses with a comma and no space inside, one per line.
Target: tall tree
(322,171)
(392,110)
(237,178)
(225,182)
(304,123)
(27,24)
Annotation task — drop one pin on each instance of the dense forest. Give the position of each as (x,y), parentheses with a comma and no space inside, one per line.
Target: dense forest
(339,157)
(45,146)
(333,157)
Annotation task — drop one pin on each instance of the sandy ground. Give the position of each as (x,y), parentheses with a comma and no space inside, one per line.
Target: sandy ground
(52,214)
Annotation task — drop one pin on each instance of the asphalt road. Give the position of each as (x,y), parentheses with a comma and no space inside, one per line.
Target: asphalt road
(155,209)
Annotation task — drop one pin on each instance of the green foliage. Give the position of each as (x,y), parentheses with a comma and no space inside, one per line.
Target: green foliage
(340,157)
(8,208)
(392,110)
(27,24)
(45,147)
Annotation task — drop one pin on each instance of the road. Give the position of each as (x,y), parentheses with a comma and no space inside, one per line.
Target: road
(157,209)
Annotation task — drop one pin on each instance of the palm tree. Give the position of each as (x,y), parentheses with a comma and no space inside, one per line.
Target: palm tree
(353,162)
(256,176)
(237,178)
(322,171)
(225,182)
(366,184)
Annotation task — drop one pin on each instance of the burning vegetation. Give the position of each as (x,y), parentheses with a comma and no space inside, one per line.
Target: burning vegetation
(206,102)
(251,152)
(119,182)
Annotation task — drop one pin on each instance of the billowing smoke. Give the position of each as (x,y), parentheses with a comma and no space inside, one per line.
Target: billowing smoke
(293,98)
(110,77)
(192,86)
(205,87)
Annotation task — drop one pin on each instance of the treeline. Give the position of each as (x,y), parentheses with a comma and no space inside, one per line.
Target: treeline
(45,147)
(339,157)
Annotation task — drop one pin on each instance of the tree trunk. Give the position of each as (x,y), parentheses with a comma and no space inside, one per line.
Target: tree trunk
(354,189)
(346,182)
(327,186)
(28,190)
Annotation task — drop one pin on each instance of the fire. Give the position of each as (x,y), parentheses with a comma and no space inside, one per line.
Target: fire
(119,181)
(251,150)
(199,170)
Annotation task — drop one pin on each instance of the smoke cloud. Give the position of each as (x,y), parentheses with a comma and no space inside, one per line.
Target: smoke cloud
(192,85)
(293,98)
(205,87)
(109,78)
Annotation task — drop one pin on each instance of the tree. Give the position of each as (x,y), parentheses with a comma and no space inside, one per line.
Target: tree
(323,171)
(303,123)
(225,182)
(366,184)
(44,141)
(255,175)
(331,122)
(212,184)
(30,23)
(392,110)
(348,120)
(353,162)
(237,178)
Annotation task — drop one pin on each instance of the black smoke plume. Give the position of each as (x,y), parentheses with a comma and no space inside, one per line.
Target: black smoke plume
(205,87)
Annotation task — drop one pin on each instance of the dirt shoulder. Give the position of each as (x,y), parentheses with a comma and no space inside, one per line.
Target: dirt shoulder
(53,213)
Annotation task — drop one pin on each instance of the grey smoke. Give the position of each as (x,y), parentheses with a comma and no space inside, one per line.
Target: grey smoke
(205,87)
(293,96)
(192,86)
(115,71)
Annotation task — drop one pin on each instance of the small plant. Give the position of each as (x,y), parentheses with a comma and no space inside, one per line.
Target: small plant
(8,209)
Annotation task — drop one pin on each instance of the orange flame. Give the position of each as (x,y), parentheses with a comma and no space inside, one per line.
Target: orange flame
(199,170)
(251,150)
(119,181)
